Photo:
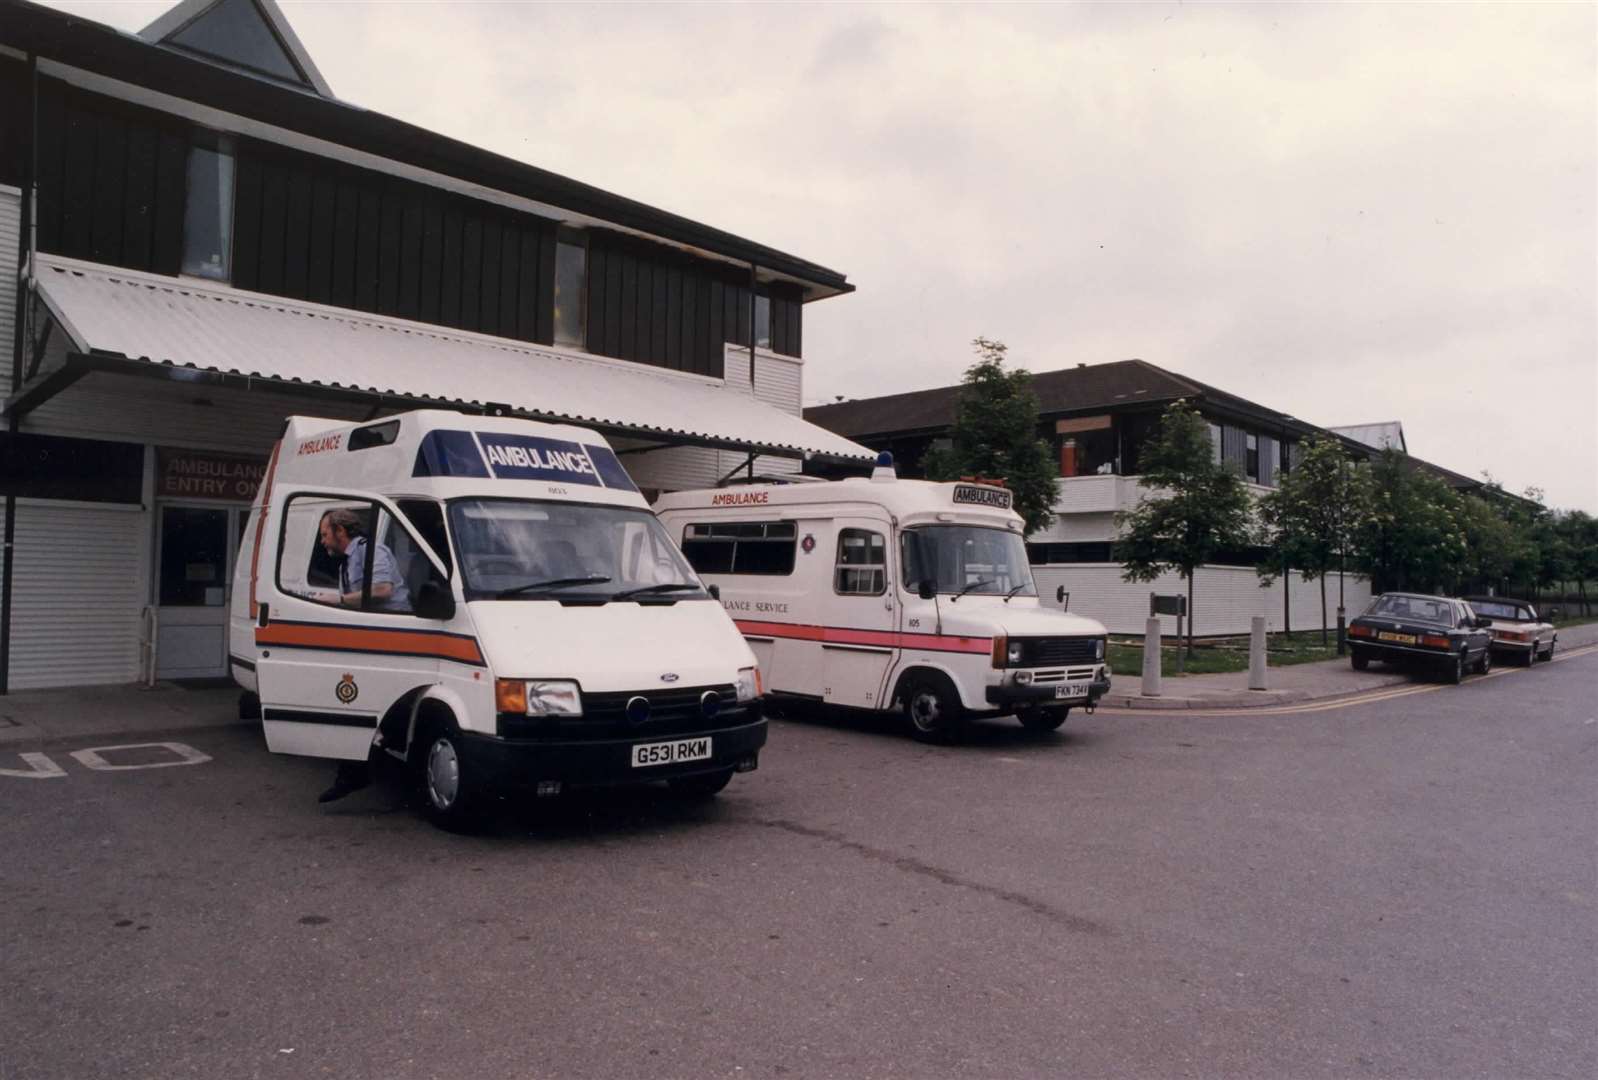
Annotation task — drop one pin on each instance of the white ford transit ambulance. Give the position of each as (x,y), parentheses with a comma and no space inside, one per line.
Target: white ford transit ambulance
(884,593)
(489,600)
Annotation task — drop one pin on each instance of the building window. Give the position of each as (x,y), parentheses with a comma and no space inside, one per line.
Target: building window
(762,322)
(208,212)
(1252,442)
(571,287)
(1285,465)
(1215,443)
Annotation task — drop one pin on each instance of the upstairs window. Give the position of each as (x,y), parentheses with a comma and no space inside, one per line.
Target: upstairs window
(1252,471)
(1215,443)
(571,288)
(208,212)
(762,322)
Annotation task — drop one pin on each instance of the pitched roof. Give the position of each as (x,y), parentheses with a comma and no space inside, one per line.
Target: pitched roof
(1083,388)
(250,34)
(1379,436)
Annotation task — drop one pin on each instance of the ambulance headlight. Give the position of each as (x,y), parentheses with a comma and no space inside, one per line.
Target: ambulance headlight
(1098,649)
(748,684)
(538,698)
(1012,655)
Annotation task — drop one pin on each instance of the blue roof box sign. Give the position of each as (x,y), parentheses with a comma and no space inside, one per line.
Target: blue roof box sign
(505,456)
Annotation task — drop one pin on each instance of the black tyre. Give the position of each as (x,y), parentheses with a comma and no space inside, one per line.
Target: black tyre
(1455,673)
(449,793)
(1041,720)
(1531,655)
(703,786)
(1485,664)
(933,709)
(1359,660)
(1548,654)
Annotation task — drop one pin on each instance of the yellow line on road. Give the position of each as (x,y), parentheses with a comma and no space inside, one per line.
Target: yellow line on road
(1369,697)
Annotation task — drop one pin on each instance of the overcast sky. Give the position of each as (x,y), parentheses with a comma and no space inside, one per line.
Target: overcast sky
(1348,213)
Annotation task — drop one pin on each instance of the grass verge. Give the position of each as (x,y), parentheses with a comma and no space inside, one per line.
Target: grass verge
(1218,655)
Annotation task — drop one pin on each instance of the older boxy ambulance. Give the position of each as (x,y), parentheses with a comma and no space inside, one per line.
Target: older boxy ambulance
(490,600)
(883,593)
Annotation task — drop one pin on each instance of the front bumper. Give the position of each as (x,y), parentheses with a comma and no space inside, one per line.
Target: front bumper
(1014,695)
(510,764)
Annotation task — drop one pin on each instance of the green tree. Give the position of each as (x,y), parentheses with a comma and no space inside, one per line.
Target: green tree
(1195,507)
(1494,550)
(1311,515)
(1409,536)
(995,436)
(1580,532)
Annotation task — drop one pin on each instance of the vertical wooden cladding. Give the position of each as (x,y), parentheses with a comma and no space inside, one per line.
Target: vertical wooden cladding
(653,306)
(111,180)
(312,229)
(13,121)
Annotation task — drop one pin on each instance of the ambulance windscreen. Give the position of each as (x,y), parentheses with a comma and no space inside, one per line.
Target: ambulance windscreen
(510,456)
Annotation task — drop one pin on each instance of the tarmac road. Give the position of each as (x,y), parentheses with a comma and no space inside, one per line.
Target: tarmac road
(1404,887)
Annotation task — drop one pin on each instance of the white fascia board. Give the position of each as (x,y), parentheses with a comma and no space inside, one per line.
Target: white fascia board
(219,120)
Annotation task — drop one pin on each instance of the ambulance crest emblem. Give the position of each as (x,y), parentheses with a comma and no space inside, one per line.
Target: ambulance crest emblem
(346,690)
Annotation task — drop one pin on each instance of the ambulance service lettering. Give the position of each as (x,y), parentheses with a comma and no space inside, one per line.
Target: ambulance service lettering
(740,498)
(321,445)
(527,457)
(982,496)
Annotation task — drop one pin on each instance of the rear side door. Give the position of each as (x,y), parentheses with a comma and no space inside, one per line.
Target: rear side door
(327,669)
(860,641)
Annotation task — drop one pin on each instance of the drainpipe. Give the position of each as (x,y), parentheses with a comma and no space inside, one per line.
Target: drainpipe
(753,271)
(25,253)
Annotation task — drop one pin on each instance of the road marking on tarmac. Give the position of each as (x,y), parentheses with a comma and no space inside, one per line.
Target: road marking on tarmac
(42,767)
(1368,697)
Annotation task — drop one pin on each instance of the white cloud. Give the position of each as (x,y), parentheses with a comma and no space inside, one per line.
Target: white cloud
(1347,212)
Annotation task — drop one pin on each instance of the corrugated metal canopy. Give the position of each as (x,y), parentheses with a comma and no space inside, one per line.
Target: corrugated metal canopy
(187,324)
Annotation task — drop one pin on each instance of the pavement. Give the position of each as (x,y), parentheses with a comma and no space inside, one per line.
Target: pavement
(1287,685)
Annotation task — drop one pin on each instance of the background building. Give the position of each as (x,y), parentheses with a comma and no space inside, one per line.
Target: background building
(210,241)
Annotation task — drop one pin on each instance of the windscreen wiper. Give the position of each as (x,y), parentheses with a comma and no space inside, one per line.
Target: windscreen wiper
(974,585)
(1013,591)
(673,586)
(535,586)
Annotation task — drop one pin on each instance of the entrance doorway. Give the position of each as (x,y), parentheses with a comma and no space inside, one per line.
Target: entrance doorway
(195,551)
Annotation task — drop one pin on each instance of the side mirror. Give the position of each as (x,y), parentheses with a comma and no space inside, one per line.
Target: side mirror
(433,601)
(925,589)
(714,591)
(1062,598)
(1482,622)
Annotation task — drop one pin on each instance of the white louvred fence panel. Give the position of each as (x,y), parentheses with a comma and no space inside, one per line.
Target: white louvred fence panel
(76,594)
(1225,598)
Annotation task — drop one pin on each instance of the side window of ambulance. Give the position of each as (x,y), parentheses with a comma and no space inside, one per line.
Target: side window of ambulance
(862,566)
(305,565)
(427,518)
(741,547)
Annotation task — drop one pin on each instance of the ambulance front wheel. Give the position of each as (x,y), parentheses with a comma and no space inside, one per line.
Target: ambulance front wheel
(447,788)
(933,708)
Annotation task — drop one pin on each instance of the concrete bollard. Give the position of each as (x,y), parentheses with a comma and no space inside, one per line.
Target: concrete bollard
(1151,658)
(1256,653)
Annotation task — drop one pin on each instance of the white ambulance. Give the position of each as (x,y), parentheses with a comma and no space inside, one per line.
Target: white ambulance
(489,600)
(883,593)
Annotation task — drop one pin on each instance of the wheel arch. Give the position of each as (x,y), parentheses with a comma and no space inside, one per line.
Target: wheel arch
(920,669)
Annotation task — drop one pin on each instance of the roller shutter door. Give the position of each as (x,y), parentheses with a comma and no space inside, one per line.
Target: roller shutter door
(76,595)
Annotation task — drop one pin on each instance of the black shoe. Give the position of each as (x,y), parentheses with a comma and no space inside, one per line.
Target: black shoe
(352,776)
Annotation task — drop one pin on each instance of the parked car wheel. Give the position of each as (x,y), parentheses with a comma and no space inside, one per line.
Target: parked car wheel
(1359,660)
(448,791)
(932,706)
(1485,664)
(1455,672)
(1548,654)
(703,786)
(1042,719)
